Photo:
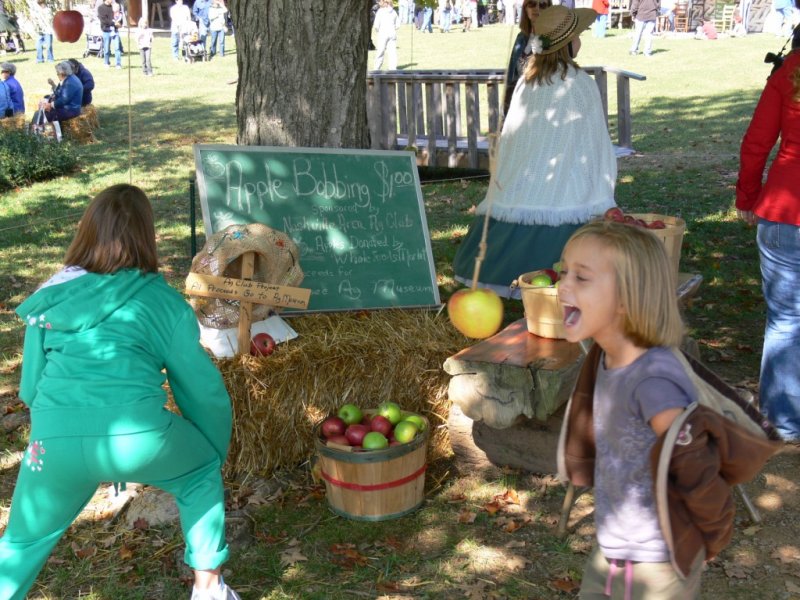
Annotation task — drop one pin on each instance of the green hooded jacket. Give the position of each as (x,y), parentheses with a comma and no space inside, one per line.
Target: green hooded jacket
(95,355)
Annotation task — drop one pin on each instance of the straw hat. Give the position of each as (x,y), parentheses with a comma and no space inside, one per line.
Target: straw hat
(557,25)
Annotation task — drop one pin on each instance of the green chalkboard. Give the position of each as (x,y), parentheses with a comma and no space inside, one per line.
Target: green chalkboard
(356,215)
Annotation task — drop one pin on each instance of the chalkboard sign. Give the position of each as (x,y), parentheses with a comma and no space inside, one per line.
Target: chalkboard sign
(356,215)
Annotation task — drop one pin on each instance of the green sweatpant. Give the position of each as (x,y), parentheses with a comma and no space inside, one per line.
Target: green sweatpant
(59,476)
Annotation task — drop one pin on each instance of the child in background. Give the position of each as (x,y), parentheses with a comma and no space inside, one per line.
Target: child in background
(144,39)
(102,336)
(617,288)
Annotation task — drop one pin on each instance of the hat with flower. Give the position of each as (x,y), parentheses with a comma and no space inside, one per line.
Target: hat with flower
(557,25)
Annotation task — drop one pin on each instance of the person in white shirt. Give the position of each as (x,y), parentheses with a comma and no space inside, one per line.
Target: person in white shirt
(179,14)
(386,25)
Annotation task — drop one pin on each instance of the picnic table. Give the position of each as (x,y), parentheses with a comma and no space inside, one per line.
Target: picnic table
(508,393)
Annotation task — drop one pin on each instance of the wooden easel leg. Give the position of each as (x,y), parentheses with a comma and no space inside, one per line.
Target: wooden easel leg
(246,308)
(755,516)
(570,498)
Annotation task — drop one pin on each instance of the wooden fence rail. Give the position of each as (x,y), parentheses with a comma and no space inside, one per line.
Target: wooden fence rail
(440,113)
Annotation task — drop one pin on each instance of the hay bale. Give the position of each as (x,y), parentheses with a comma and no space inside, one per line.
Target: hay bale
(16,122)
(90,113)
(364,358)
(79,129)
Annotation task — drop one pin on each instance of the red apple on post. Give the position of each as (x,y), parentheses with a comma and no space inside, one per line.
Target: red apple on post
(355,433)
(68,25)
(614,214)
(476,313)
(262,344)
(333,426)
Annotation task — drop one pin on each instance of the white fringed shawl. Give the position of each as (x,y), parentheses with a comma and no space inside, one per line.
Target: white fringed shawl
(555,160)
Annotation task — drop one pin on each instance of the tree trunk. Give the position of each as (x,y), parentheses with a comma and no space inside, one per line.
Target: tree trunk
(302,72)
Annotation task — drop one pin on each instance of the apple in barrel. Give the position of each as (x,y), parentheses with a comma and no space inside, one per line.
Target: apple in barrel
(355,433)
(405,431)
(476,313)
(333,426)
(350,414)
(381,424)
(391,411)
(338,439)
(374,441)
(262,344)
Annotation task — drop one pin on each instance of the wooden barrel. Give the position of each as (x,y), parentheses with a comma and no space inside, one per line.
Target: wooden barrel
(543,312)
(374,485)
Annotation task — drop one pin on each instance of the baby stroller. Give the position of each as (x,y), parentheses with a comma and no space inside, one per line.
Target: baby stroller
(192,47)
(94,39)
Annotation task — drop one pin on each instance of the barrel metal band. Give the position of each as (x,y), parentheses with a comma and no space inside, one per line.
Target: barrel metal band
(376,486)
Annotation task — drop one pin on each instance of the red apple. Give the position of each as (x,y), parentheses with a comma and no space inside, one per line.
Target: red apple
(68,25)
(338,439)
(355,433)
(614,214)
(381,424)
(333,426)
(476,313)
(657,224)
(553,275)
(262,344)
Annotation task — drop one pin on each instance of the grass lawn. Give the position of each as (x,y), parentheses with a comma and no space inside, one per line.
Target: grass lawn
(688,118)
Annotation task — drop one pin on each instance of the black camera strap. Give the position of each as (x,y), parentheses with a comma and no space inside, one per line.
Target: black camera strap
(777,59)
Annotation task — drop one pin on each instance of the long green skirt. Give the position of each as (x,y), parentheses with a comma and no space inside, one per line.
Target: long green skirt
(511,250)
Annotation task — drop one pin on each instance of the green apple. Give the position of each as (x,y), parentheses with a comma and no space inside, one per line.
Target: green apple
(374,441)
(417,420)
(476,313)
(391,411)
(405,431)
(350,414)
(541,280)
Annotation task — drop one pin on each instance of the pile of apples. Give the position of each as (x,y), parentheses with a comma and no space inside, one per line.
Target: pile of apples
(616,214)
(388,426)
(546,277)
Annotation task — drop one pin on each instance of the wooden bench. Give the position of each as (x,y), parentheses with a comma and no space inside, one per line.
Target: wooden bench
(448,117)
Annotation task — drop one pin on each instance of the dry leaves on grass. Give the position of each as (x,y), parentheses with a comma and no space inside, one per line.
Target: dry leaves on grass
(292,554)
(466,516)
(348,556)
(564,584)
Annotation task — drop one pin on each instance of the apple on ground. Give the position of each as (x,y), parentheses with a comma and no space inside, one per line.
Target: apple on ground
(476,313)
(381,424)
(333,426)
(391,411)
(262,344)
(338,439)
(405,431)
(349,413)
(374,441)
(355,433)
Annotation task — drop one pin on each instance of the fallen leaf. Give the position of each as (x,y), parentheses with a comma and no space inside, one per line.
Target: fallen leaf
(141,524)
(492,507)
(292,556)
(456,498)
(735,571)
(82,553)
(752,530)
(466,516)
(515,544)
(125,552)
(564,585)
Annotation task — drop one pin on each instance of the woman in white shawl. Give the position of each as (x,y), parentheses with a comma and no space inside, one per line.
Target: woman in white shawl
(556,167)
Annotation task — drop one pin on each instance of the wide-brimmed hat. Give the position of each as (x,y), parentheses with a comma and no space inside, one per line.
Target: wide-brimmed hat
(557,25)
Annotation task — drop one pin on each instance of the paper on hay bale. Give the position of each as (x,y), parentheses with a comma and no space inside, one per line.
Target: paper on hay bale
(223,342)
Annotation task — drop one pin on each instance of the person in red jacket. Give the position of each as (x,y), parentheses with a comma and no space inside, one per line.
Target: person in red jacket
(601,8)
(774,207)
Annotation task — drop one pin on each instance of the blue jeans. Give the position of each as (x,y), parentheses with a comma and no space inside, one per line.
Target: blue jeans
(646,28)
(44,40)
(444,21)
(779,248)
(427,14)
(109,38)
(217,43)
(600,26)
(175,38)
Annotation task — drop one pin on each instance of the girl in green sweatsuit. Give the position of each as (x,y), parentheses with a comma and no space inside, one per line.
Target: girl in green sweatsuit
(102,336)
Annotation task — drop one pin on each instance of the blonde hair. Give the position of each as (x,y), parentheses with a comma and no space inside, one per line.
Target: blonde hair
(540,68)
(646,285)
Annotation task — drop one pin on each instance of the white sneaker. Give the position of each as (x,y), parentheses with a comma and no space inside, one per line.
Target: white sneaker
(223,592)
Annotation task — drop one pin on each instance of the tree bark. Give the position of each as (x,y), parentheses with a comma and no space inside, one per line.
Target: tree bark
(302,72)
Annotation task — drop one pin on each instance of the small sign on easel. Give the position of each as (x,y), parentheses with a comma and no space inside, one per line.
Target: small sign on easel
(247,292)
